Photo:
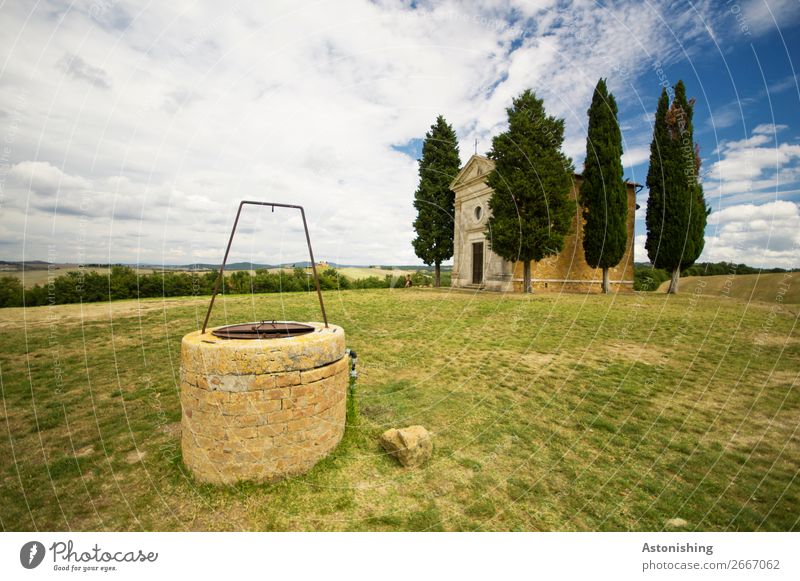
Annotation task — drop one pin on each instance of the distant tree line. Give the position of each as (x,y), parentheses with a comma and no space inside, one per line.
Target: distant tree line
(123,282)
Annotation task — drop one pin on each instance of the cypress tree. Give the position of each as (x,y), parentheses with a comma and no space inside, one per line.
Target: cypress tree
(531,208)
(656,178)
(676,209)
(603,195)
(690,152)
(434,200)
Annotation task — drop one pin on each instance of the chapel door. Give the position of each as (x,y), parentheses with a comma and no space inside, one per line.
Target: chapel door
(477,262)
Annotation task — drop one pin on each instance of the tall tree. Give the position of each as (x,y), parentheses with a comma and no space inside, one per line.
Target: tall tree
(603,195)
(434,200)
(676,209)
(532,211)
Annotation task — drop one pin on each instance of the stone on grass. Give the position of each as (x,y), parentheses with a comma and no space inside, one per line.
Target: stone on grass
(411,446)
(135,456)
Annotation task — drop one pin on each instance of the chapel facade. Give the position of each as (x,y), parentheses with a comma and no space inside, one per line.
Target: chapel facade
(475,266)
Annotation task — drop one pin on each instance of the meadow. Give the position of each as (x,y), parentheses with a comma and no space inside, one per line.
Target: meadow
(748,287)
(550,412)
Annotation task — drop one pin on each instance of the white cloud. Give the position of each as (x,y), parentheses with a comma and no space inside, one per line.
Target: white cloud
(140,129)
(43,178)
(751,161)
(766,235)
(639,251)
(79,69)
(761,16)
(768,128)
(635,156)
(755,168)
(778,87)
(726,116)
(641,201)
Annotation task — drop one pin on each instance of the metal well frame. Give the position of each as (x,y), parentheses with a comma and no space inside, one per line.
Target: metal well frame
(228,249)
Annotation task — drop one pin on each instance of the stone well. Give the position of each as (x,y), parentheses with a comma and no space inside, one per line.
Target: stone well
(261,409)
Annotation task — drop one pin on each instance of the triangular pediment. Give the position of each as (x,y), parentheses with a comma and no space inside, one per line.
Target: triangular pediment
(476,168)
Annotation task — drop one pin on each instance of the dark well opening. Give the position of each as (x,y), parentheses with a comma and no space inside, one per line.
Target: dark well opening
(263,330)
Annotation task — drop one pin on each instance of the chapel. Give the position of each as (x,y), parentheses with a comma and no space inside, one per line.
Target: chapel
(475,266)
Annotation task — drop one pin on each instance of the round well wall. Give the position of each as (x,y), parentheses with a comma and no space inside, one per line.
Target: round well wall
(261,409)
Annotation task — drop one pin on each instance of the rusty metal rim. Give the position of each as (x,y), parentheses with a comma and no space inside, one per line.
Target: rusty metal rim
(263,330)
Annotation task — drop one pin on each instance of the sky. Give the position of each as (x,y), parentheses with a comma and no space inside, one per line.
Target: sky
(130,131)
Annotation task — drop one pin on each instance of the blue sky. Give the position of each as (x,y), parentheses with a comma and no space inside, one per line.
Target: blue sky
(746,123)
(129,133)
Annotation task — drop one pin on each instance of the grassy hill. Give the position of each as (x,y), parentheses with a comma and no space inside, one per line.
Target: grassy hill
(745,287)
(356,272)
(550,412)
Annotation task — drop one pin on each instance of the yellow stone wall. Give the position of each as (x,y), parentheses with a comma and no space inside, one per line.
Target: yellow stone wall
(261,410)
(569,270)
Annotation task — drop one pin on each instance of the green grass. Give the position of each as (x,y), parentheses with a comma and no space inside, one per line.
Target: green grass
(747,287)
(551,412)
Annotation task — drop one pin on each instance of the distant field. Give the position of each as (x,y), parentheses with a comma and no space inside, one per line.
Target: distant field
(359,273)
(746,287)
(557,412)
(33,277)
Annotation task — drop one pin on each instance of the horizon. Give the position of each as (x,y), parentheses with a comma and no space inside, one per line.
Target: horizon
(84,264)
(365,265)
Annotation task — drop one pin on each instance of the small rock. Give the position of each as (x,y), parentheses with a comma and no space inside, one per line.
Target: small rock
(676,522)
(411,446)
(135,456)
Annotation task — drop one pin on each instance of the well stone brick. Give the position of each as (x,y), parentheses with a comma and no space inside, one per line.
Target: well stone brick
(261,410)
